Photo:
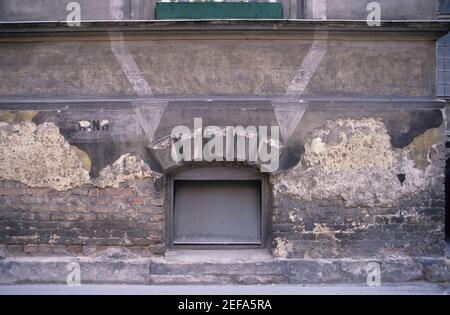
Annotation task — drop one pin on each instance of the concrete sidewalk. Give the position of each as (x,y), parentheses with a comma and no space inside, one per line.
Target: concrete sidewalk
(405,289)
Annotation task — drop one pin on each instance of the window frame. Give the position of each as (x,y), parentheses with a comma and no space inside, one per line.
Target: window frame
(442,71)
(218,173)
(444,7)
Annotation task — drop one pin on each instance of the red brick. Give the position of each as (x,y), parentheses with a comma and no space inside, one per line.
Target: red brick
(90,217)
(137,201)
(118,192)
(104,200)
(57,217)
(74,217)
(31,248)
(158,201)
(59,249)
(75,249)
(45,249)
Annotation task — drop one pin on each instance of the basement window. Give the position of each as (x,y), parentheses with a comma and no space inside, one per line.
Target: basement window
(218,208)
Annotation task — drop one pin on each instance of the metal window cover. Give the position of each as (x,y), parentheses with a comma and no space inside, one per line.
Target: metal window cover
(217,212)
(217,207)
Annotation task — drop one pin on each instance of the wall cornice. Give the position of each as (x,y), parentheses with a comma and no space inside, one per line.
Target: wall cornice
(215,29)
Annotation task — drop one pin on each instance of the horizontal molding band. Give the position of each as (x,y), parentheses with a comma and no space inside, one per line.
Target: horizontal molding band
(369,103)
(268,26)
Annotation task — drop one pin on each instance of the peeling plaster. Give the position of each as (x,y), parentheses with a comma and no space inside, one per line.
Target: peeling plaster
(351,160)
(127,167)
(282,247)
(351,145)
(39,156)
(354,161)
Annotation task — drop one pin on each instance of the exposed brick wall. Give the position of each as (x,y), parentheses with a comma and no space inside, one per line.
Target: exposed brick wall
(413,226)
(327,230)
(45,221)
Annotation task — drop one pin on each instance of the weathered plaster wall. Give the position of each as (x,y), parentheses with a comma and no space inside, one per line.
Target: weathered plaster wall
(211,67)
(361,178)
(368,68)
(361,188)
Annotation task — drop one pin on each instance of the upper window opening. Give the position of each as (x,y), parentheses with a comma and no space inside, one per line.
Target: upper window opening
(182,10)
(443,67)
(444,6)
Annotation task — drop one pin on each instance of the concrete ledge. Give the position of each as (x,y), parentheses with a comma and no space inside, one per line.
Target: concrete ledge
(436,270)
(157,270)
(54,270)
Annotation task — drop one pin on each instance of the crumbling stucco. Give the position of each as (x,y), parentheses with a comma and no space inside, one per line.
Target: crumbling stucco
(126,168)
(354,161)
(39,156)
(282,247)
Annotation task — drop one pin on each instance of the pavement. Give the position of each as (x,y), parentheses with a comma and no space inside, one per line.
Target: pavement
(388,289)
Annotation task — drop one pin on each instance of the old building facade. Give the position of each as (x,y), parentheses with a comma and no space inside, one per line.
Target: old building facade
(88,173)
